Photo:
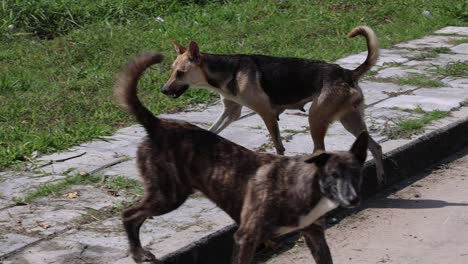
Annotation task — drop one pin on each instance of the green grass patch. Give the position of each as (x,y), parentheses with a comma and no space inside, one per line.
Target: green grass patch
(417,110)
(416,80)
(58,58)
(93,215)
(431,54)
(372,73)
(407,128)
(55,189)
(455,69)
(459,41)
(124,183)
(111,184)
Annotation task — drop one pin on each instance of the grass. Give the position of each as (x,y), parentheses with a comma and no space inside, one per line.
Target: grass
(93,215)
(410,127)
(416,80)
(456,69)
(431,54)
(459,41)
(417,110)
(124,183)
(59,57)
(55,189)
(113,184)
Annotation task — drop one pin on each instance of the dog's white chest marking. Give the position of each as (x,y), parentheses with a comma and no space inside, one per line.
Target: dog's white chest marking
(324,206)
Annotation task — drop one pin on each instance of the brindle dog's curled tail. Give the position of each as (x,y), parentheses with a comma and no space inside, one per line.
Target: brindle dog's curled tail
(372,50)
(125,89)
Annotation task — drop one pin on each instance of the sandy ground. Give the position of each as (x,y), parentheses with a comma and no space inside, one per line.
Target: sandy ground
(425,221)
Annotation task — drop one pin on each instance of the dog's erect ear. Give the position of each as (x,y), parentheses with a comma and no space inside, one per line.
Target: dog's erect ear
(320,159)
(194,52)
(179,48)
(359,148)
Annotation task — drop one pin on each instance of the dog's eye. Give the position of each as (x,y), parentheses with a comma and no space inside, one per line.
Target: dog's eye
(179,74)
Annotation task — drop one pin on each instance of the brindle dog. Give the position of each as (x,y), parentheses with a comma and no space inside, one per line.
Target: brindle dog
(267,195)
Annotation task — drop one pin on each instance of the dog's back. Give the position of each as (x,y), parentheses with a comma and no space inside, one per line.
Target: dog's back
(291,80)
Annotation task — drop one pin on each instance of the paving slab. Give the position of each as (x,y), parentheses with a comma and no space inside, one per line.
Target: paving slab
(51,215)
(57,251)
(302,143)
(429,42)
(192,221)
(16,184)
(428,99)
(398,72)
(462,48)
(245,137)
(128,169)
(4,203)
(456,82)
(431,64)
(196,217)
(11,242)
(453,30)
(378,91)
(386,56)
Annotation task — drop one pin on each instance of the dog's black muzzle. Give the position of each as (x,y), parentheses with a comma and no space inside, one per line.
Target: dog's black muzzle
(174,93)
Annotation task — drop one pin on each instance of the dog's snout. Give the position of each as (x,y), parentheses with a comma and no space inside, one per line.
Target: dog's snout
(354,201)
(166,89)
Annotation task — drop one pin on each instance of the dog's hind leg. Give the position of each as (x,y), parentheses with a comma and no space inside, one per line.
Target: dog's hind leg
(315,239)
(133,218)
(353,121)
(231,113)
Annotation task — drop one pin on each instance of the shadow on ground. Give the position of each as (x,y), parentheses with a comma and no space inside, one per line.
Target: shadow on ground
(412,204)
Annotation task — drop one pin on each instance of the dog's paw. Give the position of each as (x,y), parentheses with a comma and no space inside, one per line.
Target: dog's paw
(381,180)
(141,255)
(280,150)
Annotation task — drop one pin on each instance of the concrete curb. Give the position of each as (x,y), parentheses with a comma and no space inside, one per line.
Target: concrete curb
(400,163)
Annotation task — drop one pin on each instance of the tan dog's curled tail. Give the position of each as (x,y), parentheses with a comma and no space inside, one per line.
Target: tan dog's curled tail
(372,50)
(125,89)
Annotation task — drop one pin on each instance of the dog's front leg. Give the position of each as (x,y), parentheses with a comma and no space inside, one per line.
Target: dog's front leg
(231,113)
(315,239)
(246,241)
(272,125)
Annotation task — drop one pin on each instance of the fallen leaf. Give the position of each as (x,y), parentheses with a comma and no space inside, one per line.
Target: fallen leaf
(44,225)
(72,195)
(113,193)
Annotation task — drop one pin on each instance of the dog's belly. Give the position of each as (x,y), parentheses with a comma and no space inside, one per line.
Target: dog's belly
(324,206)
(297,105)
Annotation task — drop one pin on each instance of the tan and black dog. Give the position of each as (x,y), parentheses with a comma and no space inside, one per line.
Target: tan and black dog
(267,195)
(269,85)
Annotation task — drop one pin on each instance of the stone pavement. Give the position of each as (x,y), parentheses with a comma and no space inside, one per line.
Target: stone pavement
(423,222)
(81,223)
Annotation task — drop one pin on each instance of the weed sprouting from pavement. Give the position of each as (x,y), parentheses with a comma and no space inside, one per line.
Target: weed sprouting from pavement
(405,128)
